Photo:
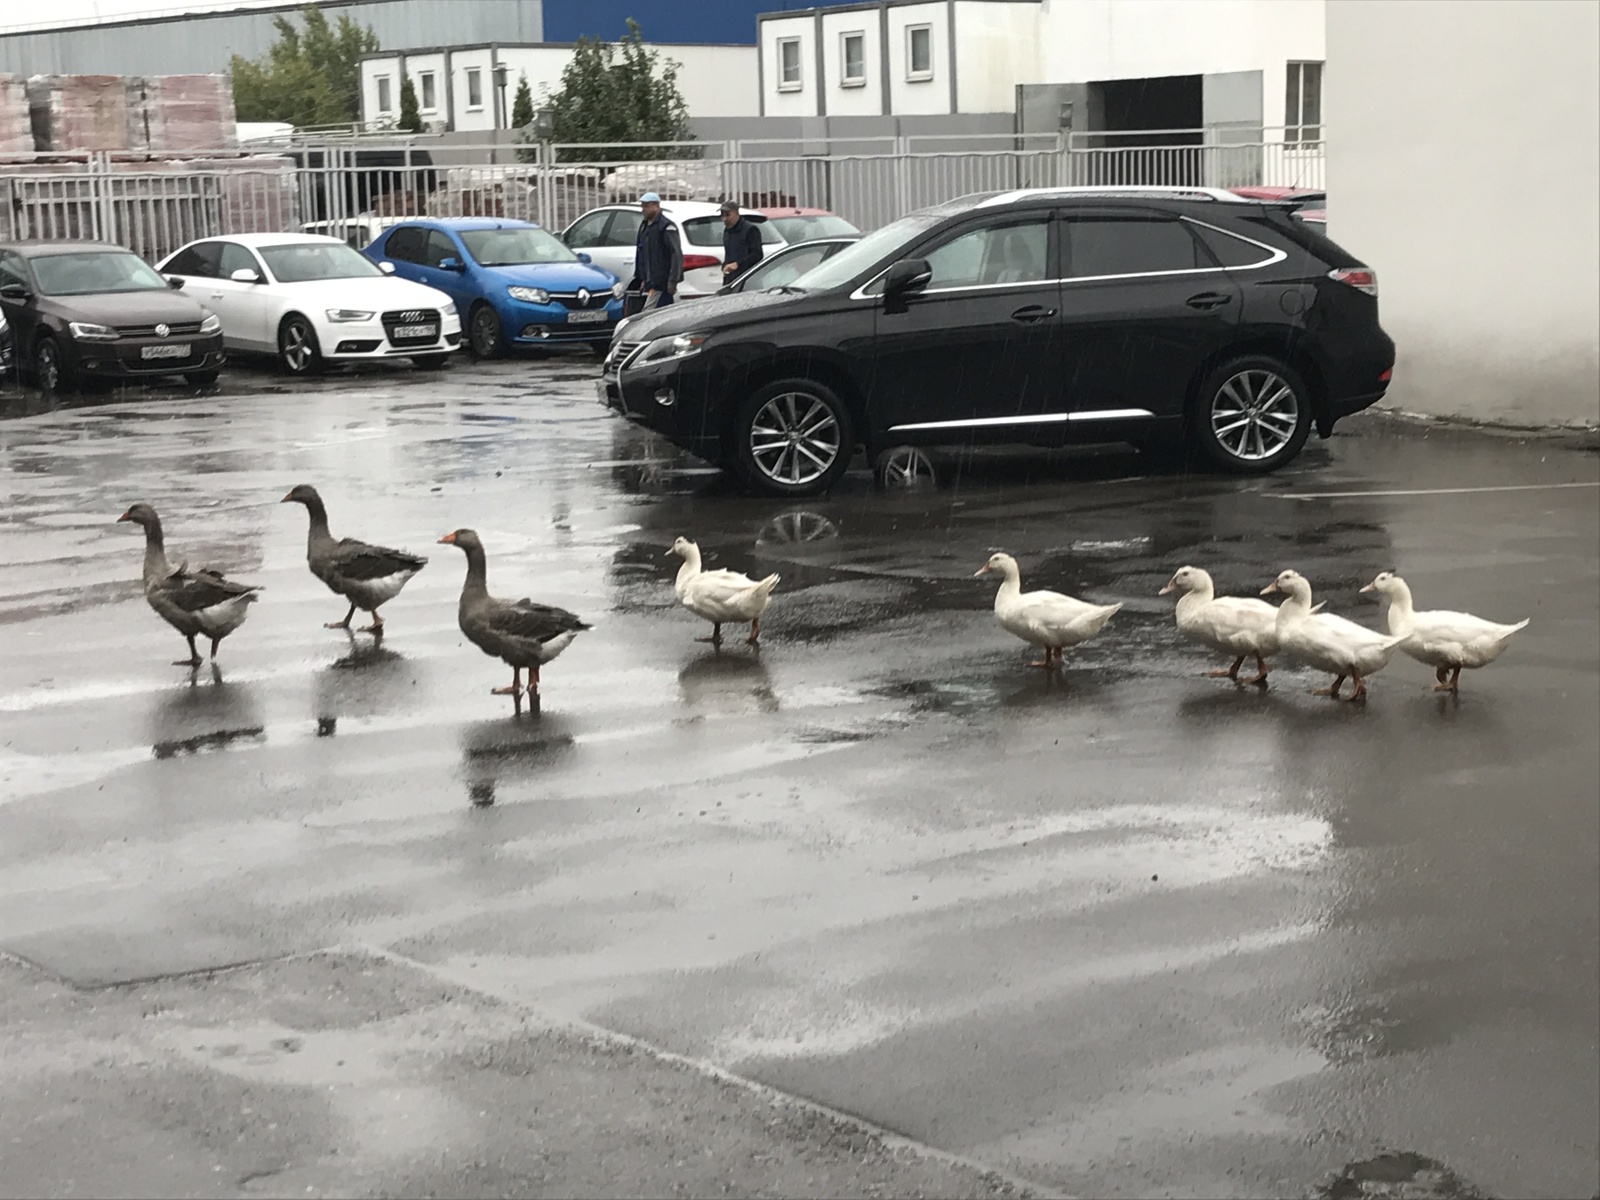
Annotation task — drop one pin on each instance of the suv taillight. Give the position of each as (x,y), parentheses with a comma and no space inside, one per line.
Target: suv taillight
(696,262)
(1363,279)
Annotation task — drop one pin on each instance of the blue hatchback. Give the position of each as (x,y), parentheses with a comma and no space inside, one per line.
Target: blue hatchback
(513,283)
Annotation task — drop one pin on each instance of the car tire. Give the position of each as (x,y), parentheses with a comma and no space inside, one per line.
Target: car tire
(431,362)
(298,350)
(202,379)
(50,369)
(484,334)
(793,437)
(1251,415)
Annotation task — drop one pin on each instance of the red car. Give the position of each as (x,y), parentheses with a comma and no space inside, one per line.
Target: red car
(1310,205)
(806,224)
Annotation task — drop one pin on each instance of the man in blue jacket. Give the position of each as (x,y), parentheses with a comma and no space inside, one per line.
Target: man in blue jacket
(657,255)
(741,243)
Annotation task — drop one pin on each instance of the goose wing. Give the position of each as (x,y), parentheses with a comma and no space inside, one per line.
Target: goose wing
(362,562)
(530,621)
(195,591)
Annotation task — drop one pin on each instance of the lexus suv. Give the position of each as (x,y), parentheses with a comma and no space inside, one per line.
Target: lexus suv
(1038,317)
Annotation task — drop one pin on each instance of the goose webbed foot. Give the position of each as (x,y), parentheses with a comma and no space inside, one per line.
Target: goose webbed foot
(1229,672)
(1260,677)
(194,659)
(515,690)
(376,628)
(716,635)
(1450,686)
(1332,690)
(1359,691)
(344,624)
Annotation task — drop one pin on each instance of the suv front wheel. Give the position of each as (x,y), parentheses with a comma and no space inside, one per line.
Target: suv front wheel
(1252,415)
(793,438)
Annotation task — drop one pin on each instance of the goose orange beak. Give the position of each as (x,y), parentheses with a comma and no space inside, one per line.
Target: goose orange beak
(287,498)
(981,571)
(1270,588)
(448,539)
(1171,587)
(127,516)
(1371,587)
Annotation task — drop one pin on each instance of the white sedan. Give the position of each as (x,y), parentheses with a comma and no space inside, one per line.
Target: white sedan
(310,300)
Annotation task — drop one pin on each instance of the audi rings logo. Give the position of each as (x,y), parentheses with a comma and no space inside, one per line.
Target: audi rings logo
(162,330)
(583,297)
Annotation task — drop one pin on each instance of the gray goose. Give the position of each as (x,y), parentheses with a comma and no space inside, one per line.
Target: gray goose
(364,574)
(192,602)
(524,634)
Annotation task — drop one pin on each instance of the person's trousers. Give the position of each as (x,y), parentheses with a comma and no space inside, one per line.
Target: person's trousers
(660,299)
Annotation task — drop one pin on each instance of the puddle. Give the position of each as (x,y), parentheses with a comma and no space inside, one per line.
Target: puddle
(1397,1175)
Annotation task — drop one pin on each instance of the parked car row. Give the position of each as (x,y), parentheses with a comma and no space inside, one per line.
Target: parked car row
(1189,317)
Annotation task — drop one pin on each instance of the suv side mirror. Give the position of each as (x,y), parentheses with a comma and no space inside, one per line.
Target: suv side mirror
(584,258)
(907,276)
(386,267)
(451,264)
(15,292)
(175,282)
(245,275)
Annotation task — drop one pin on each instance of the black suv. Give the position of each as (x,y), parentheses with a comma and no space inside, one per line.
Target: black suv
(1038,317)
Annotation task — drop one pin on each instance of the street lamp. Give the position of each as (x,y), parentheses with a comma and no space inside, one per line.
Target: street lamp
(500,74)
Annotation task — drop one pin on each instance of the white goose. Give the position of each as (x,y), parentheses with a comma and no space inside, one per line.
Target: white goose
(1236,625)
(722,595)
(1446,641)
(1045,619)
(1327,642)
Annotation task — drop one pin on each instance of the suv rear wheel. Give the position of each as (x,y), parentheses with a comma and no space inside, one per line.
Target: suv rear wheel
(1252,415)
(793,438)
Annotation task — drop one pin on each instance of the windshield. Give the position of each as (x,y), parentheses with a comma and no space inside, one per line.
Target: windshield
(95,271)
(303,262)
(877,245)
(811,226)
(510,247)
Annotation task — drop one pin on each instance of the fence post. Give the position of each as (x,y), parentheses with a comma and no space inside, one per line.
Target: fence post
(902,164)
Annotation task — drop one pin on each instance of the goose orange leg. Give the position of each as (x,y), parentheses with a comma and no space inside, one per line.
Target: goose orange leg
(755,633)
(1231,673)
(716,635)
(1048,661)
(1359,692)
(194,659)
(516,685)
(1330,691)
(1455,676)
(1260,677)
(344,624)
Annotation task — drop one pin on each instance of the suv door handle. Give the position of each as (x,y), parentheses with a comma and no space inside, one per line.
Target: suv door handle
(1208,300)
(1032,313)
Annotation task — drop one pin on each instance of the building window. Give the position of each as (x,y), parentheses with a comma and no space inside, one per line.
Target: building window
(919,52)
(430,101)
(853,59)
(385,95)
(1302,110)
(789,64)
(474,88)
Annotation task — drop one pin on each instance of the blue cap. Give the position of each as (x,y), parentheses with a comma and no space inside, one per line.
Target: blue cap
(649,198)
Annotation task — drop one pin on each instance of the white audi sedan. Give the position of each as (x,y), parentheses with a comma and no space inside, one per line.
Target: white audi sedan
(309,300)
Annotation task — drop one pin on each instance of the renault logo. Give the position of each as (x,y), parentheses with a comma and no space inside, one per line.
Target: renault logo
(583,297)
(162,331)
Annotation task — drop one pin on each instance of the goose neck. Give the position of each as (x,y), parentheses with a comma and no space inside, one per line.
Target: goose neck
(1402,616)
(155,552)
(477,584)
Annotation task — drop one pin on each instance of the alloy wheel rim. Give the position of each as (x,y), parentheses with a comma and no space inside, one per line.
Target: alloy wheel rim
(483,332)
(794,439)
(907,468)
(296,348)
(49,369)
(1254,414)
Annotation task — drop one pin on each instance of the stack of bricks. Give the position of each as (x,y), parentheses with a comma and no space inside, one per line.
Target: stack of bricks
(78,113)
(16,128)
(134,114)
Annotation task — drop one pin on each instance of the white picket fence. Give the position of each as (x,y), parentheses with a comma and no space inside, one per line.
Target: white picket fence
(350,187)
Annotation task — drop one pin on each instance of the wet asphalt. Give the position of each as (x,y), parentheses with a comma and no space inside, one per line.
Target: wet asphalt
(1128,931)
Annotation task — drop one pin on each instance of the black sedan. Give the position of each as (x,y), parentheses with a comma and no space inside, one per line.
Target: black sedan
(1040,317)
(87,310)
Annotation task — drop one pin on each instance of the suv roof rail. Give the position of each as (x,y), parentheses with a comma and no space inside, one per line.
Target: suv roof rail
(1169,192)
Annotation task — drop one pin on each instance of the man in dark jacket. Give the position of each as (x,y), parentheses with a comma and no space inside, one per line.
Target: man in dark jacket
(657,255)
(741,243)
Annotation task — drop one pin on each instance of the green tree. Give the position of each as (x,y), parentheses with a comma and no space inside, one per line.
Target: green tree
(410,120)
(309,76)
(522,104)
(620,93)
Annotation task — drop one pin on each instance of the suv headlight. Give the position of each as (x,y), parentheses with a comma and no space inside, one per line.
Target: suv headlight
(619,290)
(682,345)
(529,295)
(212,324)
(349,316)
(90,332)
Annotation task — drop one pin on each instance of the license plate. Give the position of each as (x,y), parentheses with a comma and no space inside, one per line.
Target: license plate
(175,350)
(416,331)
(586,318)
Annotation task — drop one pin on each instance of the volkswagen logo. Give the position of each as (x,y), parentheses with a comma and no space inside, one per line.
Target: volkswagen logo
(162,330)
(583,297)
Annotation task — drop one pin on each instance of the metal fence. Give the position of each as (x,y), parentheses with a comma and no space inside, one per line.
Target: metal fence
(351,188)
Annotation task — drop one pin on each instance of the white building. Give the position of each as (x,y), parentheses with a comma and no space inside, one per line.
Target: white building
(1135,64)
(456,90)
(1484,228)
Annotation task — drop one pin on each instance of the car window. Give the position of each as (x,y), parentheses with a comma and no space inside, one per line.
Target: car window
(1229,250)
(786,268)
(405,244)
(808,227)
(702,231)
(876,247)
(13,269)
(624,228)
(1015,252)
(95,271)
(437,248)
(1099,246)
(302,262)
(588,230)
(199,260)
(509,247)
(235,258)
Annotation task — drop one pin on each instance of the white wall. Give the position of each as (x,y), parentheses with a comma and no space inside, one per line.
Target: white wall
(438,115)
(483,61)
(1468,176)
(929,96)
(997,47)
(803,101)
(865,99)
(717,81)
